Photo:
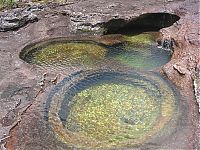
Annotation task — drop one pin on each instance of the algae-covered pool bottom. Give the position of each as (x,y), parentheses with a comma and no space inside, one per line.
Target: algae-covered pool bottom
(106,109)
(110,109)
(138,51)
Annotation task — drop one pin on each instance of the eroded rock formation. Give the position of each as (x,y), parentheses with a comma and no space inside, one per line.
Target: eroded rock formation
(19,81)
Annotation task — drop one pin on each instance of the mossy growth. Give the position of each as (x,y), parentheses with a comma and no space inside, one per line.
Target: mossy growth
(7,3)
(141,39)
(144,39)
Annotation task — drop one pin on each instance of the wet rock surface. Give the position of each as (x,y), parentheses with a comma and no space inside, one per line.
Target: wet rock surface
(20,88)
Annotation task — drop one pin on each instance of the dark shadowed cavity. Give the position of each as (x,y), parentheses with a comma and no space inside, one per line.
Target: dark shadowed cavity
(143,23)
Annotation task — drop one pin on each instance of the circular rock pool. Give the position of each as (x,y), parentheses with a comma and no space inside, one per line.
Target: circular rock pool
(106,109)
(139,51)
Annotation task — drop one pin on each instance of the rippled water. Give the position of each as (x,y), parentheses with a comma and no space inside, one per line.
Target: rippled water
(144,57)
(110,109)
(65,53)
(138,51)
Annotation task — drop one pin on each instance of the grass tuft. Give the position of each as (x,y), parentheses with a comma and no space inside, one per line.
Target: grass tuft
(7,3)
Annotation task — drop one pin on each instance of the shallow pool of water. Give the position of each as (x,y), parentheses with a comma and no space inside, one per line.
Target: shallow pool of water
(65,53)
(144,57)
(138,51)
(99,108)
(110,109)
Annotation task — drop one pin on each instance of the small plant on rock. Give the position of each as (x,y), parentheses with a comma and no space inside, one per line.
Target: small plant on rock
(7,3)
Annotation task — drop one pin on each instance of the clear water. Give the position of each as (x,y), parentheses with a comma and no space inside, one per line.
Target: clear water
(145,57)
(106,109)
(139,51)
(109,109)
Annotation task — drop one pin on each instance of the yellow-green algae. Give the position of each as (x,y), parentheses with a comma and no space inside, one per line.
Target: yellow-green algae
(137,51)
(70,54)
(112,112)
(145,38)
(112,116)
(140,39)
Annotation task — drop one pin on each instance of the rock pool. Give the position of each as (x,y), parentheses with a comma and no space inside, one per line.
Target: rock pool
(138,51)
(107,109)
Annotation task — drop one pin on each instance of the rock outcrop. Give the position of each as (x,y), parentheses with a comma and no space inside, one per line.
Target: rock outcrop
(19,17)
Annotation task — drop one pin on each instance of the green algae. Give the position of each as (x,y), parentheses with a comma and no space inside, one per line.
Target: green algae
(146,38)
(70,54)
(141,39)
(140,52)
(136,51)
(142,59)
(111,112)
